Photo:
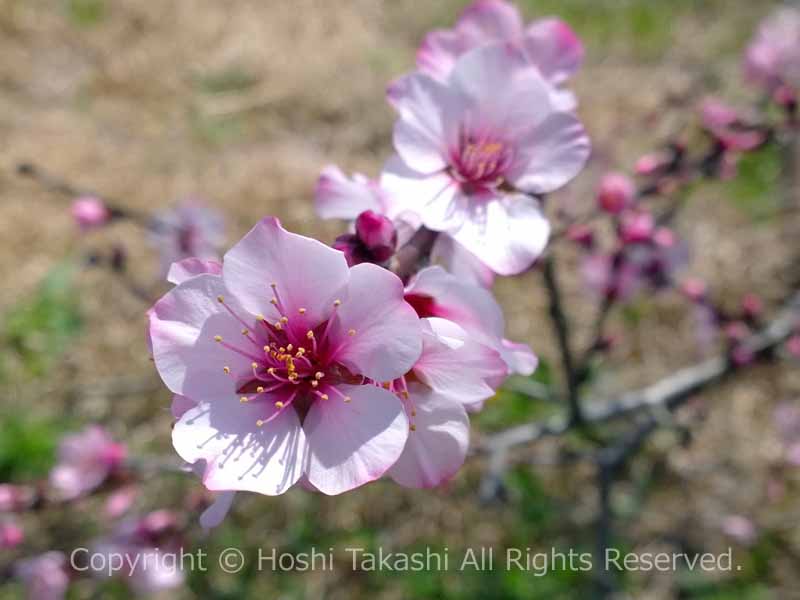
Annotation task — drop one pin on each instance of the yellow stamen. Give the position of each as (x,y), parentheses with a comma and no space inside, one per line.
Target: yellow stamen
(279,404)
(310,335)
(319,375)
(217,338)
(347,398)
(243,399)
(324,396)
(259,423)
(260,318)
(227,370)
(351,333)
(412,427)
(314,383)
(245,332)
(302,311)
(260,390)
(337,302)
(220,299)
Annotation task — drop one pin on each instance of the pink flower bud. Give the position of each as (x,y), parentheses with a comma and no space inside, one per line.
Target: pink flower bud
(11,535)
(752,306)
(378,234)
(742,356)
(649,164)
(694,289)
(583,235)
(636,227)
(664,237)
(15,497)
(616,193)
(90,212)
(714,113)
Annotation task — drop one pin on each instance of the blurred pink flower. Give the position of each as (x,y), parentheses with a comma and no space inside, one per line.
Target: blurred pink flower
(772,58)
(434,292)
(85,460)
(616,193)
(298,393)
(14,498)
(472,151)
(11,535)
(90,212)
(143,545)
(740,528)
(120,502)
(189,230)
(548,44)
(44,576)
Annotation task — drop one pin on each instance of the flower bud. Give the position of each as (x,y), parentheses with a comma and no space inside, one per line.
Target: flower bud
(616,193)
(11,535)
(752,306)
(90,212)
(378,235)
(583,235)
(694,289)
(636,227)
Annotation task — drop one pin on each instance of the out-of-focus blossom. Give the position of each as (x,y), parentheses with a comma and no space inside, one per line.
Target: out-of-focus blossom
(549,44)
(90,212)
(474,150)
(120,502)
(146,546)
(694,289)
(85,460)
(190,230)
(14,498)
(284,354)
(337,196)
(651,164)
(616,193)
(611,277)
(732,134)
(581,234)
(636,226)
(374,240)
(752,307)
(11,535)
(44,576)
(740,528)
(434,292)
(772,59)
(793,345)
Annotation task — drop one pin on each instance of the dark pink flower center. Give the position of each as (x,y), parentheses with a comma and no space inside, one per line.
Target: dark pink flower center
(290,362)
(481,161)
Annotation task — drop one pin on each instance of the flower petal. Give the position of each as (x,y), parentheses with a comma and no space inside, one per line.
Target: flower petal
(238,454)
(519,357)
(216,513)
(183,324)
(438,53)
(554,48)
(387,338)
(435,198)
(189,267)
(487,20)
(427,111)
(455,366)
(460,262)
(308,274)
(353,443)
(553,153)
(436,449)
(340,197)
(507,234)
(470,306)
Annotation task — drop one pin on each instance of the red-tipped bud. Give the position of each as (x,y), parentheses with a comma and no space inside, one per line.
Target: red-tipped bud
(90,212)
(377,234)
(616,193)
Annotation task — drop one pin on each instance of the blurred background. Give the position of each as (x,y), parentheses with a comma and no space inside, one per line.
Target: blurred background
(241,103)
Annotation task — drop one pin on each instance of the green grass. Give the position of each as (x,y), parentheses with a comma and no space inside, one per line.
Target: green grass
(86,13)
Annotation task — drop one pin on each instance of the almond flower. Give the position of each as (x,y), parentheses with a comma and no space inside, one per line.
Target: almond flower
(284,355)
(454,374)
(338,196)
(549,44)
(772,60)
(188,230)
(472,151)
(44,576)
(434,292)
(85,460)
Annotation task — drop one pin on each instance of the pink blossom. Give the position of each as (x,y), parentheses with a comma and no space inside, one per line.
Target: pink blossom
(772,58)
(283,355)
(190,230)
(636,226)
(472,151)
(793,345)
(604,278)
(120,502)
(11,535)
(145,545)
(434,292)
(651,164)
(14,498)
(616,193)
(337,196)
(44,576)
(90,212)
(454,374)
(549,44)
(740,528)
(85,460)
(725,124)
